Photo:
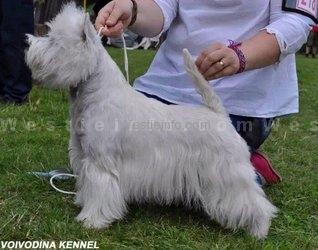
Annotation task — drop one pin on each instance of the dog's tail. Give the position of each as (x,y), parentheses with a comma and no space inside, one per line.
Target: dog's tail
(210,98)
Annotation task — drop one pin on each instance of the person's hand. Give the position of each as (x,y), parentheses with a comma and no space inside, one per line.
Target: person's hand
(114,18)
(218,61)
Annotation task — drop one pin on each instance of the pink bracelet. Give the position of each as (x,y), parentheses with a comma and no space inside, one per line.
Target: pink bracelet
(235,46)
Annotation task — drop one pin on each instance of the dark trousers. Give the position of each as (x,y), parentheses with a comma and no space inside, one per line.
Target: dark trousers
(253,130)
(16,19)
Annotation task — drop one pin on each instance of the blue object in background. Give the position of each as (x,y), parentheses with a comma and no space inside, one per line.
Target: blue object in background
(50,174)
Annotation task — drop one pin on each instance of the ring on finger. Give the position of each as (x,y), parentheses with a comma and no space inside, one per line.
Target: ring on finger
(222,63)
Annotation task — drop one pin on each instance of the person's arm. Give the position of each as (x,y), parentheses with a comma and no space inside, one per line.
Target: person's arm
(261,50)
(150,19)
(218,60)
(285,34)
(290,29)
(117,15)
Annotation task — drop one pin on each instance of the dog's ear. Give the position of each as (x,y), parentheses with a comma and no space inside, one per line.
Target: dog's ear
(89,30)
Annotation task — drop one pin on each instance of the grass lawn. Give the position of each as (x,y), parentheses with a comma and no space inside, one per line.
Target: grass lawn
(35,137)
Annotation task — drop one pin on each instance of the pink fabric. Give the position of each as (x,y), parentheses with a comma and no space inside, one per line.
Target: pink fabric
(235,46)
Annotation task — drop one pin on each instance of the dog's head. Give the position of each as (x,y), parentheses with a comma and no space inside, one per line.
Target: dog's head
(68,54)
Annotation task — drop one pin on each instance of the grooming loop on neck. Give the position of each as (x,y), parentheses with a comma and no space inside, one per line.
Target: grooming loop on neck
(125,53)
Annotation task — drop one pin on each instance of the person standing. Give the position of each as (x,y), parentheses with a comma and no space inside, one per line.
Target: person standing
(246,49)
(312,43)
(16,20)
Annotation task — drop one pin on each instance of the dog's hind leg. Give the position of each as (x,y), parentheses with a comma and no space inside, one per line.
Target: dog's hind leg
(100,196)
(235,200)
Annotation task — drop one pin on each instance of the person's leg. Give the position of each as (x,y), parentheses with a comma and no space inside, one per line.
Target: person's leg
(255,131)
(17,20)
(314,51)
(308,49)
(1,56)
(315,45)
(309,44)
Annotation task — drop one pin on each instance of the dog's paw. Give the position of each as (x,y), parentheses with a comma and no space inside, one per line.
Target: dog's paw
(92,221)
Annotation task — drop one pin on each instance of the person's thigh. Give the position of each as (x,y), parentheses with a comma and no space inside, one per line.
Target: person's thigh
(315,43)
(253,130)
(17,20)
(1,11)
(1,55)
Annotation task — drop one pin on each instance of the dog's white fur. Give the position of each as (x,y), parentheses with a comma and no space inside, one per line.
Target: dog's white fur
(119,159)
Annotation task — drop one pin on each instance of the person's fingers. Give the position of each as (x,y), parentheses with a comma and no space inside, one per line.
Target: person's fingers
(114,31)
(213,47)
(228,71)
(114,16)
(103,16)
(206,52)
(210,59)
(199,60)
(101,21)
(216,68)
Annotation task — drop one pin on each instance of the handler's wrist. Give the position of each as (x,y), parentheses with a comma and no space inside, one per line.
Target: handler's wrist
(133,13)
(242,59)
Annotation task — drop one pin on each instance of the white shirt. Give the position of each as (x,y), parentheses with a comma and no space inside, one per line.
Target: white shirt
(196,24)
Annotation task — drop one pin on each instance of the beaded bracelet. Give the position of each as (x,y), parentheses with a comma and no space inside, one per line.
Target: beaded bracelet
(235,46)
(134,13)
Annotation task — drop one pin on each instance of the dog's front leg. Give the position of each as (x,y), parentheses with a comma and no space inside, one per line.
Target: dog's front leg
(100,196)
(75,153)
(76,156)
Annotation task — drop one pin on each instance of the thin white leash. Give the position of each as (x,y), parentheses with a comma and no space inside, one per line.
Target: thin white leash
(60,190)
(127,78)
(125,57)
(125,53)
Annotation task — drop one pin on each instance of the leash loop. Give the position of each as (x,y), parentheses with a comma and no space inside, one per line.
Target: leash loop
(60,190)
(125,52)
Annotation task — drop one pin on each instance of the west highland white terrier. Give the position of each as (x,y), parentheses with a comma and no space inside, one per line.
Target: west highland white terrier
(127,148)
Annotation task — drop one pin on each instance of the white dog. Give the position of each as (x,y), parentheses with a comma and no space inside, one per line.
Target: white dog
(128,148)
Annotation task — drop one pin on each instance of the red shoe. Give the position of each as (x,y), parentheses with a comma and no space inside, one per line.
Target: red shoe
(264,168)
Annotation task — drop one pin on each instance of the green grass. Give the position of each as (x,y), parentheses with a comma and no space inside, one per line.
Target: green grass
(31,210)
